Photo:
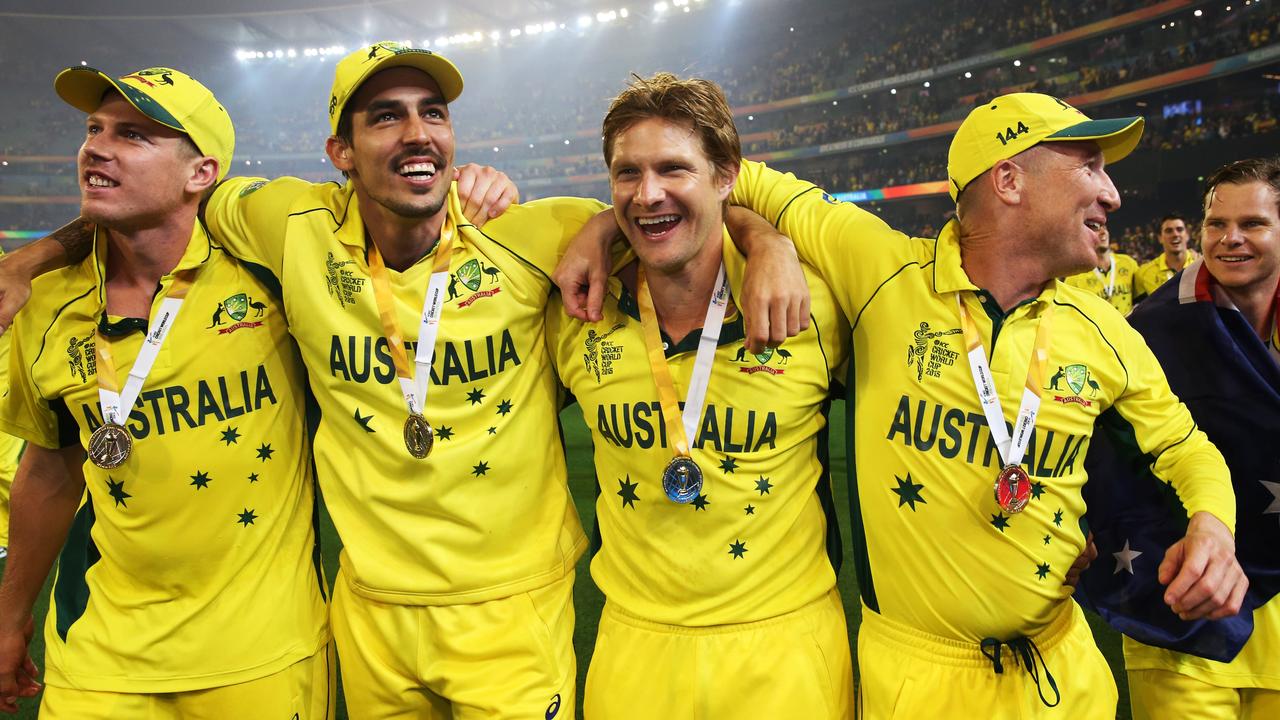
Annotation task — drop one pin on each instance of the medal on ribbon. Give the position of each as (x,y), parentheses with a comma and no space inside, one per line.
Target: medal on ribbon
(419,437)
(682,478)
(111,444)
(1012,488)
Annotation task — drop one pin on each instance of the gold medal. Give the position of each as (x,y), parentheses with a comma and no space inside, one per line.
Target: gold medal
(419,438)
(1013,489)
(109,446)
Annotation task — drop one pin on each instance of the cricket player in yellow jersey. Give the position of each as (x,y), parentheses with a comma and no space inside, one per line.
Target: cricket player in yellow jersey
(188,584)
(10,450)
(438,450)
(1216,334)
(1112,277)
(738,564)
(1176,254)
(964,529)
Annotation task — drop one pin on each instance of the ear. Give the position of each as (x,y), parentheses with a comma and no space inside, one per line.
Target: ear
(1008,182)
(339,153)
(726,178)
(204,175)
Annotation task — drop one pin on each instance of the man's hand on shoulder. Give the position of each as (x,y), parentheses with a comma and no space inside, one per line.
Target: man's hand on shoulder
(484,192)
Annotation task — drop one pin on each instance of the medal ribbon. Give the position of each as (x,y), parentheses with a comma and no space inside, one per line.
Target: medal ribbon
(1011,449)
(1111,277)
(113,401)
(697,395)
(413,385)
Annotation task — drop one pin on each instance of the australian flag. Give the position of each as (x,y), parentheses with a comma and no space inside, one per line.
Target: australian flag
(1230,380)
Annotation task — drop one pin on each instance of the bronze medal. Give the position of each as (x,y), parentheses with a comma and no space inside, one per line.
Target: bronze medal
(109,446)
(419,438)
(1013,489)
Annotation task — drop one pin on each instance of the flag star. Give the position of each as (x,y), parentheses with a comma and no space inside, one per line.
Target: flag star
(363,420)
(999,522)
(1037,489)
(265,452)
(701,502)
(1046,539)
(504,407)
(475,396)
(1057,518)
(1042,570)
(763,485)
(230,435)
(445,432)
(728,465)
(750,509)
(737,549)
(493,430)
(247,517)
(908,492)
(481,469)
(200,479)
(253,477)
(1274,488)
(1125,558)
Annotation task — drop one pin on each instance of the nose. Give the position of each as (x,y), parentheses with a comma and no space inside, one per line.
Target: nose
(650,191)
(1109,197)
(416,132)
(96,147)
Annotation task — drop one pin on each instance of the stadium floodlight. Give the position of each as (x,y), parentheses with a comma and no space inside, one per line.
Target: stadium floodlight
(1017,63)
(514,32)
(926,83)
(292,53)
(686,8)
(566,142)
(549,26)
(495,148)
(84,63)
(660,7)
(1198,13)
(609,16)
(751,117)
(893,91)
(623,13)
(584,21)
(532,29)
(968,74)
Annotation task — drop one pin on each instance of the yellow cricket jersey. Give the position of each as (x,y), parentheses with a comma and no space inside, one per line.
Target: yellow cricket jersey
(1118,290)
(10,446)
(1156,272)
(761,539)
(934,549)
(488,513)
(194,564)
(1254,667)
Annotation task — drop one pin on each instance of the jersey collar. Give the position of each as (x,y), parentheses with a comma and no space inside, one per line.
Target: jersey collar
(199,250)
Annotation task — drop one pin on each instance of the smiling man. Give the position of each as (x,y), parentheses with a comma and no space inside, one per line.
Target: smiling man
(186,583)
(1174,241)
(1215,333)
(967,459)
(718,538)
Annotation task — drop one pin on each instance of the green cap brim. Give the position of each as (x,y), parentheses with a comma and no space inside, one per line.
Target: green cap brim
(1117,137)
(83,87)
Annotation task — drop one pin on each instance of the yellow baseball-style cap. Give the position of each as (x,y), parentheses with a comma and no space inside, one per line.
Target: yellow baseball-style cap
(1016,122)
(170,97)
(357,67)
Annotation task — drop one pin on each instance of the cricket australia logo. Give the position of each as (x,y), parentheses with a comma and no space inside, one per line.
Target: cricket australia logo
(1077,378)
(762,360)
(600,353)
(151,77)
(234,309)
(81,359)
(929,352)
(472,275)
(342,284)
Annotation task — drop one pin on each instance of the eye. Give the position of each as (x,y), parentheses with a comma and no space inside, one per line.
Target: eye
(134,135)
(385,116)
(435,114)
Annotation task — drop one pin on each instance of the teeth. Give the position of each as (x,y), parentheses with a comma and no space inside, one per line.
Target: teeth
(417,168)
(99,181)
(1234,258)
(1092,224)
(656,220)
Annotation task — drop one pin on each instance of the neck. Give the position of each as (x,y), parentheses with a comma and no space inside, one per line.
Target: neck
(138,258)
(1176,259)
(402,241)
(1256,303)
(1011,278)
(1106,263)
(680,297)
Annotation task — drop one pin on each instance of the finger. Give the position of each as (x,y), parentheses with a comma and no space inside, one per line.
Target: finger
(595,295)
(804,312)
(777,324)
(793,319)
(1169,566)
(497,191)
(1205,588)
(1234,602)
(754,329)
(575,304)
